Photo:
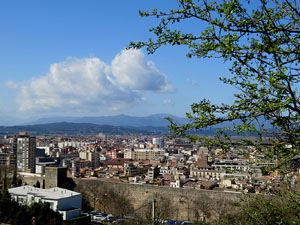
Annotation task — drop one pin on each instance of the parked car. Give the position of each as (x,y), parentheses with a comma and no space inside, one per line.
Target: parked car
(172,222)
(186,222)
(94,212)
(121,220)
(99,218)
(110,218)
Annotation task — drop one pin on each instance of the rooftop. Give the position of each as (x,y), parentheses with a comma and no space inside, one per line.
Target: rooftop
(51,193)
(148,150)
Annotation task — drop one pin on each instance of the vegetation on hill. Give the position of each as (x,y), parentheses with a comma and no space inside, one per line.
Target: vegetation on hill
(79,129)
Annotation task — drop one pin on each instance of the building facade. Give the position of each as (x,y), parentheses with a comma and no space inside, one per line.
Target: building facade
(4,159)
(144,154)
(25,150)
(66,202)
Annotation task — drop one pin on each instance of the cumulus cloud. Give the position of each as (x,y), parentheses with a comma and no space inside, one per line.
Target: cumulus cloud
(128,66)
(90,84)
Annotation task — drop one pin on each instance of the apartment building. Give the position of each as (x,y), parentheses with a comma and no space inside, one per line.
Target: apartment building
(144,154)
(24,148)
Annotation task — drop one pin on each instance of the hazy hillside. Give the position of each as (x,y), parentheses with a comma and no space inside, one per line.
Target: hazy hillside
(117,125)
(157,120)
(73,129)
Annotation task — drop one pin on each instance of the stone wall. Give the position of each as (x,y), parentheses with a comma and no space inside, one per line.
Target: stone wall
(136,200)
(55,176)
(32,180)
(183,204)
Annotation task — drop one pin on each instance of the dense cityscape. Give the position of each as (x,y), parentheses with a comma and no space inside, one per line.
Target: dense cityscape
(51,162)
(150,112)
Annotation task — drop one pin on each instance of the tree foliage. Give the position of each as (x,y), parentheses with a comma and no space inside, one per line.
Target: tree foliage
(13,213)
(163,209)
(106,198)
(265,211)
(8,177)
(260,40)
(8,207)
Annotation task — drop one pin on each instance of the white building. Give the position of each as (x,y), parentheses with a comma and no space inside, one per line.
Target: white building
(90,155)
(159,141)
(66,202)
(175,184)
(144,154)
(25,149)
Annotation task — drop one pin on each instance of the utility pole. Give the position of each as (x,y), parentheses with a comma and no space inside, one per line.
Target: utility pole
(153,211)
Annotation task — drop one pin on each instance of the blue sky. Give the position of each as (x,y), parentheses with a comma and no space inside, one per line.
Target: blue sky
(67,58)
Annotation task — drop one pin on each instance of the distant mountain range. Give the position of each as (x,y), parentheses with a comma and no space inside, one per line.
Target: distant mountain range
(114,125)
(77,129)
(156,120)
(85,129)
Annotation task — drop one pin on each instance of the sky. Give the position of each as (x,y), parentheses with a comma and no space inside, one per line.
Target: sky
(69,58)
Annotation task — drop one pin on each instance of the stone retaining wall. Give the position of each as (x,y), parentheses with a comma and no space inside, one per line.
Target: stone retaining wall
(185,204)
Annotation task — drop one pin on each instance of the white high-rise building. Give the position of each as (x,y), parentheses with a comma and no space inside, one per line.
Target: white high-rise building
(158,141)
(25,149)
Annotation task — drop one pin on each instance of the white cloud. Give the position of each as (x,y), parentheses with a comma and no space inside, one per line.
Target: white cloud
(11,84)
(168,101)
(128,66)
(88,84)
(192,82)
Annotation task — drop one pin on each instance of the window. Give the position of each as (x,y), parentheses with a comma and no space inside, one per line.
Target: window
(51,205)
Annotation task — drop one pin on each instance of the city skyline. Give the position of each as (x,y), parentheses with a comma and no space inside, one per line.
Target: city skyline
(70,59)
